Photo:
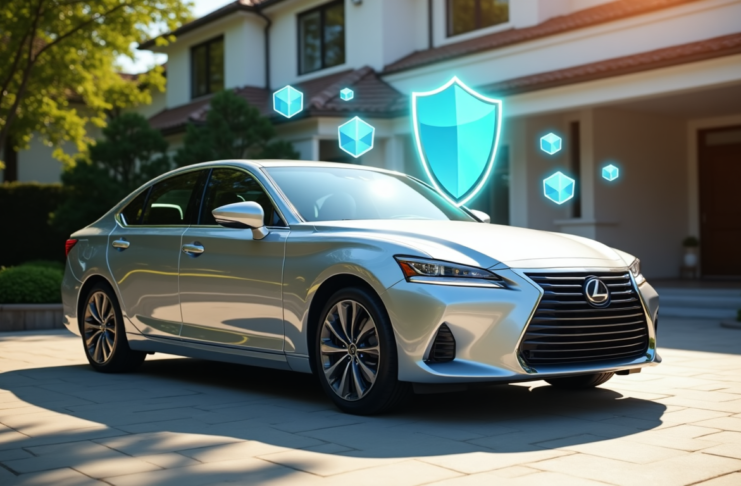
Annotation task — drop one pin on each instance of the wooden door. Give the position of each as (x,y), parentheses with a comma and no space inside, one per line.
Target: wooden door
(720,201)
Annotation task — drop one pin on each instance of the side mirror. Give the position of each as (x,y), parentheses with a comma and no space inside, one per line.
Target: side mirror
(481,216)
(243,215)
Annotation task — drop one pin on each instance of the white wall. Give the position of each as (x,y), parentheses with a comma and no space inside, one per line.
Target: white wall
(244,55)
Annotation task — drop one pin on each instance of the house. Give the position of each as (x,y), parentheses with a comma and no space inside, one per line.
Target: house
(652,87)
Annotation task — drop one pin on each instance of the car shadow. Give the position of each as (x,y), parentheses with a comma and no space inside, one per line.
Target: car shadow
(219,403)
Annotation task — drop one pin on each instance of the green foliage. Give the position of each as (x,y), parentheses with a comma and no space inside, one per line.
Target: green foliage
(58,64)
(30,284)
(234,129)
(54,265)
(691,242)
(25,221)
(130,154)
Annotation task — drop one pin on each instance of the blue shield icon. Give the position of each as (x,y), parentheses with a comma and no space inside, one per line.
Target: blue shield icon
(457,133)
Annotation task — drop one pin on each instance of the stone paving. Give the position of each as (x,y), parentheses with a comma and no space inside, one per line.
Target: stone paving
(185,422)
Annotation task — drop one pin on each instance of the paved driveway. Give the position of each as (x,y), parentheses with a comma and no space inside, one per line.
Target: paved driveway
(185,422)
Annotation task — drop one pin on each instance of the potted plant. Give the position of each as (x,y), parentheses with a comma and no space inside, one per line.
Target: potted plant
(691,249)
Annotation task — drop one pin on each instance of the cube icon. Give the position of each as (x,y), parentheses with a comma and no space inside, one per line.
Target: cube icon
(610,172)
(356,137)
(550,143)
(347,94)
(559,188)
(288,101)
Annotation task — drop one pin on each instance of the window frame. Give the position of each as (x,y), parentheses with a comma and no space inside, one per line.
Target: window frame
(322,22)
(207,44)
(449,20)
(206,183)
(121,219)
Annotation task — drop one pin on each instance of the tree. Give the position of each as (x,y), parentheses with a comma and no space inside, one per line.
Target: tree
(234,129)
(130,154)
(58,57)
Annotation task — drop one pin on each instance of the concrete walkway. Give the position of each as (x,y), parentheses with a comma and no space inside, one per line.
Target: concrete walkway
(185,422)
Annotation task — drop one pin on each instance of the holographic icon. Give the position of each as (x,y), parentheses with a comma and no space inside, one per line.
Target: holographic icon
(550,143)
(457,134)
(356,137)
(610,172)
(559,188)
(347,94)
(288,101)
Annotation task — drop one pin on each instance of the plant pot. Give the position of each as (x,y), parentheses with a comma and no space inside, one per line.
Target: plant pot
(691,258)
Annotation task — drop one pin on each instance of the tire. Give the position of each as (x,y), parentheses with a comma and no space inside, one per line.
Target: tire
(104,335)
(358,382)
(581,382)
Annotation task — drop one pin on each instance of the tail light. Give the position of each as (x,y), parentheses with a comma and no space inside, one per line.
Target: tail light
(68,246)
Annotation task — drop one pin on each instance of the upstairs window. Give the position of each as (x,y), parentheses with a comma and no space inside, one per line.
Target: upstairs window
(321,37)
(469,15)
(207,64)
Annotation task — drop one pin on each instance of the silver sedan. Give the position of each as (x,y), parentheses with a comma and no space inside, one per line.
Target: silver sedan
(367,278)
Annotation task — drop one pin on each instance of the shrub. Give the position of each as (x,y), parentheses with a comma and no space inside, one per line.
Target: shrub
(54,265)
(28,284)
(25,214)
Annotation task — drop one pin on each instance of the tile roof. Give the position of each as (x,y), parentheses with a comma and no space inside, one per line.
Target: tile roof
(608,12)
(373,97)
(726,45)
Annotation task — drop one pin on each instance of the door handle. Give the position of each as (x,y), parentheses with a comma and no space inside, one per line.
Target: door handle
(193,249)
(121,244)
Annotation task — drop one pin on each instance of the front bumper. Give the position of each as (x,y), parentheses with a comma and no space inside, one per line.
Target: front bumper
(488,325)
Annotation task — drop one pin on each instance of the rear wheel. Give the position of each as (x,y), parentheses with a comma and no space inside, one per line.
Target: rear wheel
(103,333)
(355,354)
(581,382)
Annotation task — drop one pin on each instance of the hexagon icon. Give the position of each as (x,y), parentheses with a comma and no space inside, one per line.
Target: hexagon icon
(347,94)
(610,172)
(356,137)
(559,188)
(288,101)
(550,143)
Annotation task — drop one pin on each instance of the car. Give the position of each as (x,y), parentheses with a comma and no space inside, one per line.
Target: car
(367,278)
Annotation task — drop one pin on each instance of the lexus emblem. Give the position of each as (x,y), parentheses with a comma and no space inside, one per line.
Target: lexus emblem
(597,292)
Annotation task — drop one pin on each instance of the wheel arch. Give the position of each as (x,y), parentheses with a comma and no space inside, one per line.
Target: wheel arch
(89,283)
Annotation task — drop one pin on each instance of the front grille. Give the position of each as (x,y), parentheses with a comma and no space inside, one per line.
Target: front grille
(443,347)
(566,329)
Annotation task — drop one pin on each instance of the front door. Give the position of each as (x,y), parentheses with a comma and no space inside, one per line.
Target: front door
(720,203)
(231,286)
(144,253)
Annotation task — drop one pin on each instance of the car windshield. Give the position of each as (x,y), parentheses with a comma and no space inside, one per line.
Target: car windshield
(334,194)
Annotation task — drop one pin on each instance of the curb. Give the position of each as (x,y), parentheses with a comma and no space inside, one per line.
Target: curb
(731,325)
(29,317)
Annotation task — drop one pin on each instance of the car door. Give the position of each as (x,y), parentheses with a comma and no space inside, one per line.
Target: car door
(230,283)
(144,252)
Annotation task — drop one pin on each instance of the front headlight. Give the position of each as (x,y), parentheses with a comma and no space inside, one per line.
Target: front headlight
(420,270)
(635,269)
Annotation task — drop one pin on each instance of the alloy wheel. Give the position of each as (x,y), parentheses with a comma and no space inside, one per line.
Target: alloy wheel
(350,350)
(99,327)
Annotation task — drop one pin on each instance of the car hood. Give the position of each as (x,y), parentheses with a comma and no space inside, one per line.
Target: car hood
(484,245)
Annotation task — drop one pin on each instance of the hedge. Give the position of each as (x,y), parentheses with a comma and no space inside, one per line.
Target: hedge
(29,284)
(24,217)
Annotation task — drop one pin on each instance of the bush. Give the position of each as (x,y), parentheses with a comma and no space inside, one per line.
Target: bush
(30,284)
(25,219)
(54,265)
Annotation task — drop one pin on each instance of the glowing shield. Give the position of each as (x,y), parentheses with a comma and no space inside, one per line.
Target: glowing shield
(457,133)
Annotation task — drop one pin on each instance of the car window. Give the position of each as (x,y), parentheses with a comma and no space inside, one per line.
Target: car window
(132,213)
(227,186)
(335,194)
(170,199)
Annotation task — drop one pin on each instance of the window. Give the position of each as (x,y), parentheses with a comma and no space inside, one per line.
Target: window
(169,201)
(321,37)
(207,65)
(335,194)
(469,15)
(133,211)
(227,186)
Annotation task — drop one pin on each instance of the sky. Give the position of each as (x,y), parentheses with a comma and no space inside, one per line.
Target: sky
(145,60)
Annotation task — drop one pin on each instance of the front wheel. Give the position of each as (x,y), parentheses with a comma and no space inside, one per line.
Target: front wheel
(355,354)
(103,333)
(581,382)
